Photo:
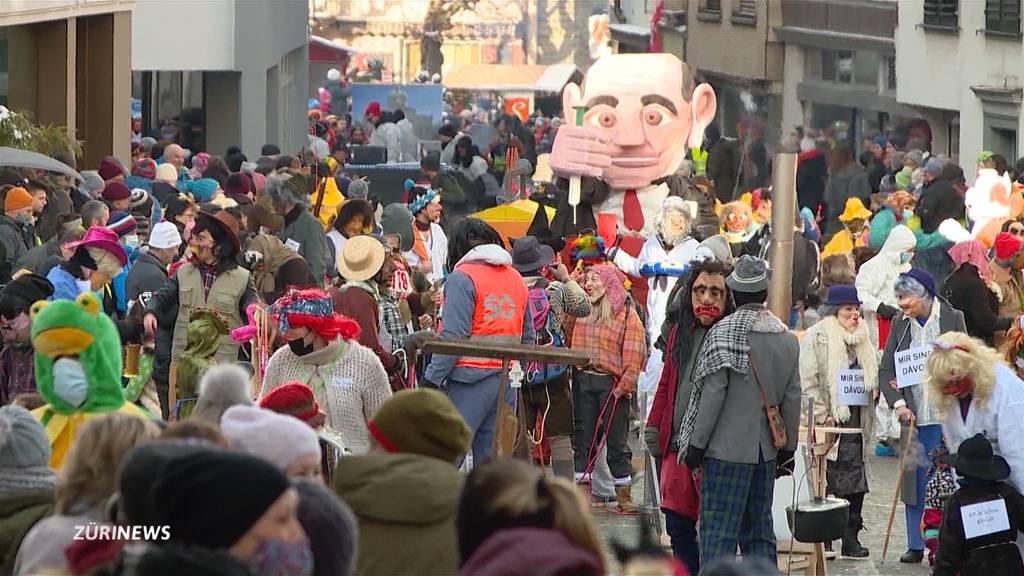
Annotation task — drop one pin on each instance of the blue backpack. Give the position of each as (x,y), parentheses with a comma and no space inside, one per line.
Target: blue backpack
(540,314)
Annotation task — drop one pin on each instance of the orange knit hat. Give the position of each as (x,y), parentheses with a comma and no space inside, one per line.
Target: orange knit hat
(16,199)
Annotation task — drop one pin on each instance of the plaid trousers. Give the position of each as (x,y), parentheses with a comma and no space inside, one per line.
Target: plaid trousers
(736,508)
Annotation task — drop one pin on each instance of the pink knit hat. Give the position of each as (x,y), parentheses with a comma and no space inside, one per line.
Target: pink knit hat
(614,284)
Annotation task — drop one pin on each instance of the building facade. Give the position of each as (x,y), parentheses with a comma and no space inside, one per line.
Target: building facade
(240,79)
(68,63)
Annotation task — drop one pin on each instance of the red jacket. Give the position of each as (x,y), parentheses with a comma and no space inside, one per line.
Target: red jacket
(680,491)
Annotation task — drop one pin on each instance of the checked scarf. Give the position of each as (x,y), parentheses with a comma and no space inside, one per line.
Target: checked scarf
(726,346)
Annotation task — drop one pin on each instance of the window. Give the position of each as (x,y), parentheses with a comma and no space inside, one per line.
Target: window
(709,11)
(848,67)
(1002,17)
(711,6)
(745,12)
(941,13)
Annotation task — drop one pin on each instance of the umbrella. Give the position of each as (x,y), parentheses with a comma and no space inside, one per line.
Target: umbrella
(17,158)
(512,220)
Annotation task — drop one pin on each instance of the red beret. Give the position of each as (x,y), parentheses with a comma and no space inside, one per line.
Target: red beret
(294,398)
(1006,245)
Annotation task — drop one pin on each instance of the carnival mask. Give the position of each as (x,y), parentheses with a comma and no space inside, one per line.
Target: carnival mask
(958,387)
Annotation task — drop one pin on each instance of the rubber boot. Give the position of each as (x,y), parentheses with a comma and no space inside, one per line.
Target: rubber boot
(852,547)
(626,505)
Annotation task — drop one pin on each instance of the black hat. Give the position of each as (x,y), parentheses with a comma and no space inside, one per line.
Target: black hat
(212,498)
(143,465)
(976,460)
(28,289)
(270,150)
(528,254)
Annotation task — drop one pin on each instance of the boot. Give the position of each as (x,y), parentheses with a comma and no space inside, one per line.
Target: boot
(626,505)
(912,556)
(852,547)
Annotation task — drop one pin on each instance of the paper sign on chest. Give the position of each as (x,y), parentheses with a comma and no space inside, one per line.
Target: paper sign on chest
(984,518)
(910,365)
(850,388)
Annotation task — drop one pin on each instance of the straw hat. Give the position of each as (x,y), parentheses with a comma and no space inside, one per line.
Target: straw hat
(360,258)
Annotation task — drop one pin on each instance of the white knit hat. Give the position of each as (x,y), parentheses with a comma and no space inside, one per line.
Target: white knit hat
(277,438)
(166,173)
(164,235)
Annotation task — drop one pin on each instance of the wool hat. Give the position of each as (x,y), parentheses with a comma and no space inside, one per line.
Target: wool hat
(614,285)
(360,258)
(122,223)
(715,248)
(138,198)
(330,525)
(397,219)
(921,277)
(372,108)
(975,459)
(139,471)
(881,140)
(854,210)
(202,189)
(529,255)
(17,198)
(421,421)
(213,497)
(1007,245)
(842,294)
(238,184)
(292,398)
(145,167)
(933,166)
(358,190)
(91,182)
(166,173)
(110,169)
(750,275)
(23,442)
(116,190)
(270,150)
(903,178)
(28,289)
(164,235)
(277,438)
(147,143)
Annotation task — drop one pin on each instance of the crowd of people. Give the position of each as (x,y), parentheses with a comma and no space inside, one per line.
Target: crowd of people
(226,350)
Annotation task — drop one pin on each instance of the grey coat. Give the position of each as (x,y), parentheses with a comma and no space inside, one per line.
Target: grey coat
(148,274)
(950,320)
(302,227)
(731,402)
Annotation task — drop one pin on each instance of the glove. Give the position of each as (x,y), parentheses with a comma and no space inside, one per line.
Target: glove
(887,312)
(651,439)
(694,457)
(784,463)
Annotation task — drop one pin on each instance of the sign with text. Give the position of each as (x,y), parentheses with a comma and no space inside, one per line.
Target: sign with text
(984,518)
(850,388)
(910,365)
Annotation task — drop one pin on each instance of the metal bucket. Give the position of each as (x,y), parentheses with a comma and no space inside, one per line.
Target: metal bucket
(822,520)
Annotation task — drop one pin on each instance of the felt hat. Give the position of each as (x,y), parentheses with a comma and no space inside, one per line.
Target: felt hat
(842,294)
(421,421)
(223,222)
(110,169)
(529,255)
(360,258)
(166,173)
(1007,245)
(122,223)
(292,398)
(17,198)
(854,210)
(397,219)
(164,235)
(203,500)
(277,438)
(116,190)
(975,459)
(23,442)
(145,167)
(750,275)
(923,278)
(104,239)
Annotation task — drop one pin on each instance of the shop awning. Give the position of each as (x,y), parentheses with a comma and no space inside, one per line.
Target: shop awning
(323,50)
(509,77)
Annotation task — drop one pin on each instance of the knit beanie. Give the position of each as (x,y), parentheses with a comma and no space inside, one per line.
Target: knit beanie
(331,527)
(122,223)
(115,190)
(212,498)
(614,286)
(202,189)
(17,198)
(277,438)
(239,184)
(145,168)
(141,468)
(923,278)
(166,173)
(23,442)
(421,421)
(1006,245)
(110,169)
(294,399)
(396,219)
(358,190)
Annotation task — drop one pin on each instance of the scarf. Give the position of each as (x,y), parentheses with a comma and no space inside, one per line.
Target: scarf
(838,344)
(971,252)
(725,347)
(419,247)
(22,480)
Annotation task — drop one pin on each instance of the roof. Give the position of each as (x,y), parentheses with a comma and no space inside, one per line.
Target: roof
(510,77)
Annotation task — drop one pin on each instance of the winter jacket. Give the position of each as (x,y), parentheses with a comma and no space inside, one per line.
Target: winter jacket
(939,201)
(986,555)
(301,227)
(65,286)
(148,274)
(15,240)
(850,182)
(18,514)
(406,505)
(882,224)
(41,259)
(171,559)
(968,293)
(811,175)
(388,135)
(531,552)
(58,204)
(877,277)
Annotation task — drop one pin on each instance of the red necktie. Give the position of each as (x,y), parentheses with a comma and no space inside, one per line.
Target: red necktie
(632,214)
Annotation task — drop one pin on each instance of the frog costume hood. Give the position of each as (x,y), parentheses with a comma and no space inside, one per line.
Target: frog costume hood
(76,340)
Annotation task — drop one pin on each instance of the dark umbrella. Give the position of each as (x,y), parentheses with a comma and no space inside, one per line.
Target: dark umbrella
(17,158)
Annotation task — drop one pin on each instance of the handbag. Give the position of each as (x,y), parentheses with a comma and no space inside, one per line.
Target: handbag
(776,425)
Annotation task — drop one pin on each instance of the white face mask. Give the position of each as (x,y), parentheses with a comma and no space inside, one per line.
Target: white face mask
(131,240)
(69,382)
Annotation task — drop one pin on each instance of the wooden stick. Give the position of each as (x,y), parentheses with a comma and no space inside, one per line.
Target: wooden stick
(904,447)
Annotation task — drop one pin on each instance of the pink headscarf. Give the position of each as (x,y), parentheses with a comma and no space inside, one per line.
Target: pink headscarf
(614,289)
(971,252)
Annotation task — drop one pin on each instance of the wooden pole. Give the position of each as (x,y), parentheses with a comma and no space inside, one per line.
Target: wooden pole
(904,447)
(780,290)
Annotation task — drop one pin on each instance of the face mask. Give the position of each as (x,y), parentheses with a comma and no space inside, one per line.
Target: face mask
(276,558)
(69,383)
(958,387)
(131,240)
(906,257)
(299,347)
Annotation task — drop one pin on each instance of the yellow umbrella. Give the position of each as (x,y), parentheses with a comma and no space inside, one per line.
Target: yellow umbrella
(513,219)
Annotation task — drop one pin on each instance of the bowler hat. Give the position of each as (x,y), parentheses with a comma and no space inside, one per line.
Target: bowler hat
(529,255)
(750,275)
(976,460)
(842,294)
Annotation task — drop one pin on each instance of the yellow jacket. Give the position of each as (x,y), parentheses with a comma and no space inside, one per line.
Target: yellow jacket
(332,200)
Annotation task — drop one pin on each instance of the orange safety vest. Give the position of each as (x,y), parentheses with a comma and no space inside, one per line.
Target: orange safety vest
(501,298)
